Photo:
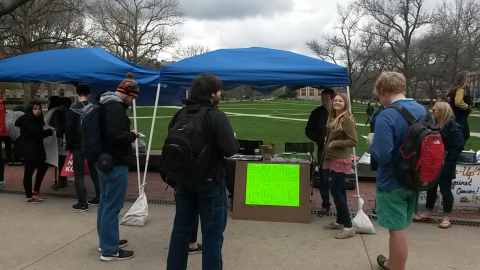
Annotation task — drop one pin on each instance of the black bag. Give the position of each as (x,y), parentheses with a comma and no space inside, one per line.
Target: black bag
(91,136)
(185,154)
(422,153)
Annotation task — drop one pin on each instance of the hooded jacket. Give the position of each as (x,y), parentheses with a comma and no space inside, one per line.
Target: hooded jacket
(30,143)
(117,138)
(72,127)
(452,137)
(220,138)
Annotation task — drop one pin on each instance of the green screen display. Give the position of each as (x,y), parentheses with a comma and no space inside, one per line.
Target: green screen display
(273,184)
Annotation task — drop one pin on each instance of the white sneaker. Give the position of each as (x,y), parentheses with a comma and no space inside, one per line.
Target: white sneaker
(2,184)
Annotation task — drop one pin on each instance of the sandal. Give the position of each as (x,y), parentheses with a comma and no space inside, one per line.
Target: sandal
(421,218)
(381,260)
(445,225)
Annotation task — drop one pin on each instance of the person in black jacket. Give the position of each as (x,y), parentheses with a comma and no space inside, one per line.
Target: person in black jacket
(208,197)
(74,145)
(452,136)
(316,130)
(117,139)
(30,147)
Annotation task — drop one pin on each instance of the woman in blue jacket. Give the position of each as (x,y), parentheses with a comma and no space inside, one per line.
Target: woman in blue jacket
(452,136)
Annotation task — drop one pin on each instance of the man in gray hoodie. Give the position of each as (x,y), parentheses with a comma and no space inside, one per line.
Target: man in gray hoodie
(116,141)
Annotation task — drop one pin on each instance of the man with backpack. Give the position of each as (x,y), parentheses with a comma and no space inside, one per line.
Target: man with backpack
(199,137)
(396,194)
(117,139)
(73,137)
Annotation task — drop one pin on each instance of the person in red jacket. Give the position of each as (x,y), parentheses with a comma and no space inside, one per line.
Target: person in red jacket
(3,136)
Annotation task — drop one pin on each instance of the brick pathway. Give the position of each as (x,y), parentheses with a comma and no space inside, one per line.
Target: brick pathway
(156,189)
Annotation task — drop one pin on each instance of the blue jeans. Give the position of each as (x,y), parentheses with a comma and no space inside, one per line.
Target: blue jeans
(209,199)
(78,170)
(113,189)
(339,195)
(324,175)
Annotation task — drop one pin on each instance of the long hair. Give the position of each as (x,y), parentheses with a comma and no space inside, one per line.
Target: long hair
(460,82)
(446,114)
(335,121)
(29,112)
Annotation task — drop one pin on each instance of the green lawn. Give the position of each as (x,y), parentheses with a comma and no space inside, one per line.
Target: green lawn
(291,128)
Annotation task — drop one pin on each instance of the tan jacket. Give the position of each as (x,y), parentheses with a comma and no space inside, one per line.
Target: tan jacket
(342,140)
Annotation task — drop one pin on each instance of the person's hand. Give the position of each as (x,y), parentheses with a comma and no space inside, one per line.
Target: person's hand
(136,133)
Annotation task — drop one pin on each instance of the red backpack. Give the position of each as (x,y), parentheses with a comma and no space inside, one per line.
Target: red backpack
(422,153)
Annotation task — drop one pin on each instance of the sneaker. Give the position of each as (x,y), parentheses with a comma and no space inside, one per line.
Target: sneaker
(2,184)
(345,233)
(323,212)
(71,179)
(38,194)
(33,199)
(464,200)
(195,250)
(333,226)
(374,213)
(94,201)
(121,244)
(121,255)
(79,207)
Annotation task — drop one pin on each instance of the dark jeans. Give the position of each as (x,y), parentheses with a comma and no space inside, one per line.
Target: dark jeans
(339,195)
(30,167)
(193,237)
(209,199)
(113,189)
(446,190)
(324,189)
(463,121)
(368,119)
(78,170)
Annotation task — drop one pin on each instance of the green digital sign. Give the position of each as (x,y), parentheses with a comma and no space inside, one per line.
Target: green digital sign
(273,184)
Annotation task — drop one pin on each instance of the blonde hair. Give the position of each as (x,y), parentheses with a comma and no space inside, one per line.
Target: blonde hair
(460,82)
(446,114)
(335,121)
(390,82)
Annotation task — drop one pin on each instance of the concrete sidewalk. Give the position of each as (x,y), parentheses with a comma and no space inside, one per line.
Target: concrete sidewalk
(52,236)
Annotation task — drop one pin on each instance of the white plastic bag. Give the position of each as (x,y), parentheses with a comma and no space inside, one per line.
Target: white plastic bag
(138,213)
(361,222)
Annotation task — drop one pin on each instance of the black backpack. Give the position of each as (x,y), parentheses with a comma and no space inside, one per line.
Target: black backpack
(422,153)
(91,136)
(185,154)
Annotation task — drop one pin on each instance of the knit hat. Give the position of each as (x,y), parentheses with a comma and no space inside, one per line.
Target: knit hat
(129,86)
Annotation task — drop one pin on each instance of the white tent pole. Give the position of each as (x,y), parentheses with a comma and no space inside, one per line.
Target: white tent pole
(151,134)
(354,155)
(136,145)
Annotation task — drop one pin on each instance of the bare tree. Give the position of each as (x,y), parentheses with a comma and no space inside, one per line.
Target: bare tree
(351,47)
(396,22)
(136,30)
(189,51)
(10,5)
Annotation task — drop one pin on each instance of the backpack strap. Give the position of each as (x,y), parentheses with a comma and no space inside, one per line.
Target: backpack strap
(403,111)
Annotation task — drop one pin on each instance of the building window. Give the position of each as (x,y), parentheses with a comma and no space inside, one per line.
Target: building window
(311,92)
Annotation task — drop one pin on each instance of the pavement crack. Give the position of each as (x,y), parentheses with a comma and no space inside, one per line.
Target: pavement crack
(366,251)
(78,238)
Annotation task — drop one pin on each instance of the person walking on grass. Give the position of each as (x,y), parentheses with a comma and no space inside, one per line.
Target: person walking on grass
(73,139)
(117,139)
(316,130)
(341,135)
(452,136)
(395,203)
(30,147)
(370,110)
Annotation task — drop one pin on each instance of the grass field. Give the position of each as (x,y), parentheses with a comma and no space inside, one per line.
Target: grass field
(273,121)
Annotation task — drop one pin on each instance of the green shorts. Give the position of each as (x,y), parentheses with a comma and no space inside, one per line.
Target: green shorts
(395,208)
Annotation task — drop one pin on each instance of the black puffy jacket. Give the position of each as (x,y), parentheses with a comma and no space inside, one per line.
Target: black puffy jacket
(30,143)
(452,136)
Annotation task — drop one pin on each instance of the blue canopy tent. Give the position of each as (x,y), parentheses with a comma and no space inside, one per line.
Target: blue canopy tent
(261,68)
(100,69)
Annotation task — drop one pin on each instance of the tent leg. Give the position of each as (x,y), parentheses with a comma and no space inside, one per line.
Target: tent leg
(136,145)
(151,134)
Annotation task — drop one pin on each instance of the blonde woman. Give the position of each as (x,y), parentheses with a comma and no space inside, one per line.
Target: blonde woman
(341,135)
(461,102)
(453,140)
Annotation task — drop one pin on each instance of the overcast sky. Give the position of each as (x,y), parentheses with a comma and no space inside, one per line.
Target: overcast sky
(278,24)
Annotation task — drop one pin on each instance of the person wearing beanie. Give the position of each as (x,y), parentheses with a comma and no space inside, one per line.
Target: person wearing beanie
(116,141)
